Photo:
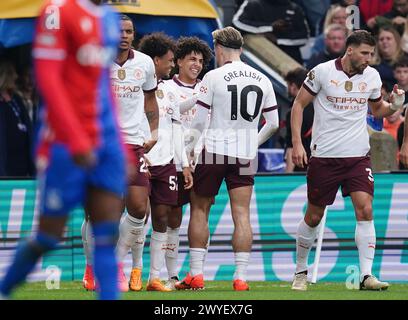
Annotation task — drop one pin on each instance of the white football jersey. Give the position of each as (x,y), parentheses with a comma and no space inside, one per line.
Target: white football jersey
(129,81)
(340,109)
(236,94)
(184,92)
(163,151)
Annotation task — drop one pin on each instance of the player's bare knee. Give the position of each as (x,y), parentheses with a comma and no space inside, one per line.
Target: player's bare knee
(364,212)
(313,219)
(137,212)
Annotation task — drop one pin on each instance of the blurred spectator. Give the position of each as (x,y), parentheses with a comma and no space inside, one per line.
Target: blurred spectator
(370,9)
(401,74)
(396,17)
(404,38)
(315,11)
(335,43)
(400,138)
(344,3)
(294,80)
(282,21)
(335,15)
(392,123)
(15,127)
(387,54)
(25,88)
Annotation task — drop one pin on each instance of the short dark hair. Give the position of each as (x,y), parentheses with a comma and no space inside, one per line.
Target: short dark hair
(401,62)
(358,37)
(296,76)
(187,45)
(156,44)
(124,17)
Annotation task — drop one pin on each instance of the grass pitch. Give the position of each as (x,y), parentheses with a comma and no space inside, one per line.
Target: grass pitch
(220,290)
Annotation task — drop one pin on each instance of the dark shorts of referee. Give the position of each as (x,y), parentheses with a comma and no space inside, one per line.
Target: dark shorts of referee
(212,169)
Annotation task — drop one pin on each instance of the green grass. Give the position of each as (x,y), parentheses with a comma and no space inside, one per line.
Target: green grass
(221,290)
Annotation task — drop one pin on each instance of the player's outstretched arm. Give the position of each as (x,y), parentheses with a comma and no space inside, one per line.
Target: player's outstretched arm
(383,108)
(404,147)
(304,98)
(186,105)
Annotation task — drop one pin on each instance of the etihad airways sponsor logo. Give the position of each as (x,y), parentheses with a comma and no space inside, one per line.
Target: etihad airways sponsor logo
(125,89)
(347,100)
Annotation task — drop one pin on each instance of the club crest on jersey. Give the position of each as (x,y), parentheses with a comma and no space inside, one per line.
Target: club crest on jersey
(362,86)
(311,75)
(122,74)
(348,85)
(159,94)
(171,97)
(138,74)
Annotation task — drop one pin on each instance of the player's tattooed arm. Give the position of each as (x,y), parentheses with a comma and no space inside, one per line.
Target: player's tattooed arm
(152,113)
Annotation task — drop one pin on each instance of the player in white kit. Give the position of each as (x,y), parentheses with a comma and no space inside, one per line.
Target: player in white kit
(341,91)
(192,55)
(134,80)
(237,96)
(170,145)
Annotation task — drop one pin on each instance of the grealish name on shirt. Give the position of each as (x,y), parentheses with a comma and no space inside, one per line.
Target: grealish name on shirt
(237,74)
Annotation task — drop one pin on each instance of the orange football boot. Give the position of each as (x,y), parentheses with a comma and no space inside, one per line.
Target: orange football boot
(135,282)
(190,282)
(240,285)
(157,285)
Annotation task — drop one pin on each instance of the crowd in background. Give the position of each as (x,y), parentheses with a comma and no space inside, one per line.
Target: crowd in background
(321,25)
(324,25)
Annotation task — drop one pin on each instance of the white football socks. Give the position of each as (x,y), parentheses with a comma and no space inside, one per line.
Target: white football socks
(197,256)
(131,235)
(365,240)
(158,245)
(172,251)
(137,254)
(305,238)
(241,265)
(87,241)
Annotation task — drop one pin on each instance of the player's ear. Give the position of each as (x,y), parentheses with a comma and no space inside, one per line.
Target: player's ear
(349,50)
(156,60)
